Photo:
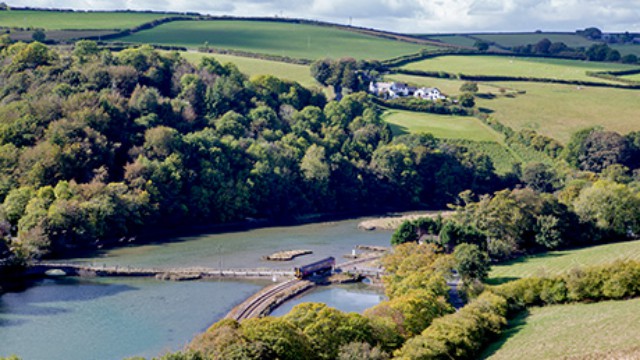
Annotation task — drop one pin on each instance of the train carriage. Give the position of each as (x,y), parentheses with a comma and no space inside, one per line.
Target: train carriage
(315,267)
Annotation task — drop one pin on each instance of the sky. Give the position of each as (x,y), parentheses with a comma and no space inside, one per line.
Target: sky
(410,16)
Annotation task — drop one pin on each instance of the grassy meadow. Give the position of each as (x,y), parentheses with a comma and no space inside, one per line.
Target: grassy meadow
(50,20)
(556,262)
(561,69)
(635,77)
(255,67)
(605,330)
(460,130)
(503,157)
(283,39)
(441,126)
(558,110)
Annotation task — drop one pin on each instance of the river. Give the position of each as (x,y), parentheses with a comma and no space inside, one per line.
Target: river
(122,317)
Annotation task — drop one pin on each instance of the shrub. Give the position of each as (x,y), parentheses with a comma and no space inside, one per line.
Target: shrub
(461,335)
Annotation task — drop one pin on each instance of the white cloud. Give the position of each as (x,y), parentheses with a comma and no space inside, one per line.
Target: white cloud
(420,16)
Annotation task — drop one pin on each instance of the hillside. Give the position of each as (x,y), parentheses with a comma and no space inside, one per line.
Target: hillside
(506,40)
(558,110)
(255,67)
(275,38)
(541,68)
(557,262)
(604,330)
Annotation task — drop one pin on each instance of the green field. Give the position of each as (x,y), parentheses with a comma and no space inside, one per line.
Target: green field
(558,110)
(606,330)
(458,40)
(502,157)
(554,110)
(51,20)
(556,262)
(441,126)
(254,67)
(520,67)
(635,77)
(510,40)
(275,38)
(627,49)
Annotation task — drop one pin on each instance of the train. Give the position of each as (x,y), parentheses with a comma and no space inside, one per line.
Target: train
(315,267)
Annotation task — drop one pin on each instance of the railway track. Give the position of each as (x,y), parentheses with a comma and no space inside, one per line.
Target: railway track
(258,304)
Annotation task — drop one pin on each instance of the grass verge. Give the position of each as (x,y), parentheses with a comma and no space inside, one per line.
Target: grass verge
(576,331)
(556,262)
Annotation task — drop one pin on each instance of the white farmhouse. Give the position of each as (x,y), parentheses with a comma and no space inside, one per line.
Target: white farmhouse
(432,94)
(394,90)
(391,90)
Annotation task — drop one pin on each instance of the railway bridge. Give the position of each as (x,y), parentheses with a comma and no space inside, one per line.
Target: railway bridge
(263,302)
(260,304)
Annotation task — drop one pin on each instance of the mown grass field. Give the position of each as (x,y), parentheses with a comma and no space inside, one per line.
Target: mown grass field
(560,110)
(51,20)
(556,262)
(441,126)
(606,330)
(254,67)
(283,39)
(522,67)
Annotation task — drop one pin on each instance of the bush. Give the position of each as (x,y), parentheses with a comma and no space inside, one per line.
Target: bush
(615,281)
(406,232)
(461,335)
(471,262)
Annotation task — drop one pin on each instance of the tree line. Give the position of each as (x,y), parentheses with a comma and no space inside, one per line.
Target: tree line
(588,195)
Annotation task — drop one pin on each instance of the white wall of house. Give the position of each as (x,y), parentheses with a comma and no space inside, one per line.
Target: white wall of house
(393,90)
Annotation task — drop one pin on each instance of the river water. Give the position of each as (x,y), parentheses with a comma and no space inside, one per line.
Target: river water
(121,317)
(245,249)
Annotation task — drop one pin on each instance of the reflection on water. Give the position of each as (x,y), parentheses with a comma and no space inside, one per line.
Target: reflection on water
(245,249)
(111,319)
(347,298)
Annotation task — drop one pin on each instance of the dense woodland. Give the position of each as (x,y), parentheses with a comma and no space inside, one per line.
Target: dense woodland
(96,146)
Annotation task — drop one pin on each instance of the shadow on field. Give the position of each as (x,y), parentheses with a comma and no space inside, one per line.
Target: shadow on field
(514,326)
(520,260)
(398,130)
(485,110)
(500,280)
